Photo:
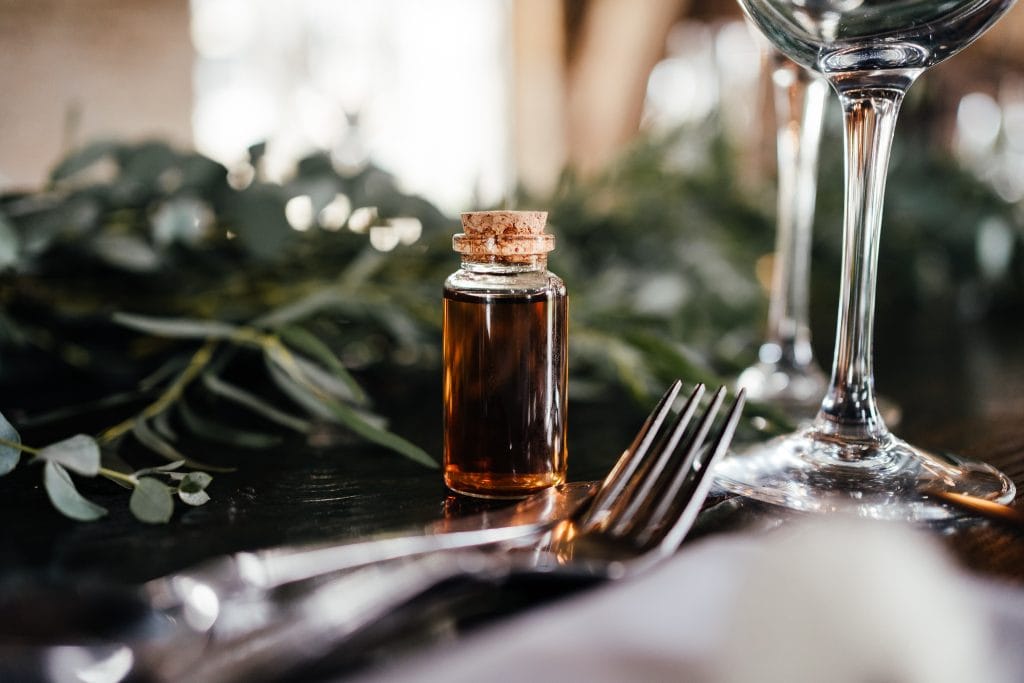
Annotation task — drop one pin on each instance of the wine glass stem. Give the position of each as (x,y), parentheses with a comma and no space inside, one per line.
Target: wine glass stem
(869,117)
(799,110)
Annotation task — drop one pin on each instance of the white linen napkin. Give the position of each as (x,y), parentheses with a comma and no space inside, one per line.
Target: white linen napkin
(825,600)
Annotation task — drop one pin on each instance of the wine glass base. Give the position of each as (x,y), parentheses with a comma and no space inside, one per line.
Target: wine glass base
(878,478)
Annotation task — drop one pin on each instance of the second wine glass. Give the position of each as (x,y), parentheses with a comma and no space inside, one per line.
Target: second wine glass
(786,373)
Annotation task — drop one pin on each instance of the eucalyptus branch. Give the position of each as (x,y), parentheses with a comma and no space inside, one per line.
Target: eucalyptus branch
(17,445)
(151,500)
(114,475)
(172,393)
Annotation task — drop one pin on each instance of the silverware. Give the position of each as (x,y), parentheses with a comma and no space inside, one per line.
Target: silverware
(639,515)
(198,591)
(263,570)
(252,632)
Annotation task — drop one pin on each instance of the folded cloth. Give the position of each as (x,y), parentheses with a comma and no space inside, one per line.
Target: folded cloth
(830,599)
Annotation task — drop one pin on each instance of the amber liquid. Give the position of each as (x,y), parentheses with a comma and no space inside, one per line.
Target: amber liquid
(505,402)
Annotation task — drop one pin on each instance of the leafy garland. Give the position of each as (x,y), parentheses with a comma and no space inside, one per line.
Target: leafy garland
(162,288)
(228,279)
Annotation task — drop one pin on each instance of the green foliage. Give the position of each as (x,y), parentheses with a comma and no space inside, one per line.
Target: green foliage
(65,497)
(192,488)
(80,454)
(151,501)
(9,442)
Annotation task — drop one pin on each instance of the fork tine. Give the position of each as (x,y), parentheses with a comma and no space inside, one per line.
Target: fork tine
(653,507)
(614,484)
(624,512)
(671,521)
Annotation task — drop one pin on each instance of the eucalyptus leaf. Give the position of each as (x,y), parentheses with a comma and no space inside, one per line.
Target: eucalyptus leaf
(342,387)
(9,455)
(627,363)
(363,267)
(201,174)
(257,216)
(161,423)
(147,161)
(223,433)
(300,392)
(300,309)
(151,501)
(80,454)
(324,380)
(153,441)
(670,358)
(180,328)
(193,482)
(182,220)
(402,326)
(194,499)
(339,413)
(127,252)
(65,497)
(308,343)
(69,411)
(44,226)
(84,158)
(169,467)
(254,403)
(305,392)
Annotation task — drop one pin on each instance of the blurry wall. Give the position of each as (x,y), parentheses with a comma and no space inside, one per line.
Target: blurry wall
(74,70)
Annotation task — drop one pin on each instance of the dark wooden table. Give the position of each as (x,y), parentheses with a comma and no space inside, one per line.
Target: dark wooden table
(961,388)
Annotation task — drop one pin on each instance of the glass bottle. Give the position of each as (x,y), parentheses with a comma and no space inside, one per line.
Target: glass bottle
(505,359)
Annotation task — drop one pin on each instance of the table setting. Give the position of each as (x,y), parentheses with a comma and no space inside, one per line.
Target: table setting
(319,429)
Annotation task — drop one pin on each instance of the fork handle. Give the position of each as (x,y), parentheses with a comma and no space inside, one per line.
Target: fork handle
(302,630)
(247,572)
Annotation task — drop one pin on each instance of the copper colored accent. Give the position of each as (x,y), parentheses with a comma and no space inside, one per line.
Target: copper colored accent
(986,508)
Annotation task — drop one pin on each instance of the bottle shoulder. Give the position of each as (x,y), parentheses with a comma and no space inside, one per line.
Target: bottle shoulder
(505,284)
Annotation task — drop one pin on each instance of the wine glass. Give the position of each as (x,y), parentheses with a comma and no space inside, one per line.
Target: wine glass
(786,373)
(870,52)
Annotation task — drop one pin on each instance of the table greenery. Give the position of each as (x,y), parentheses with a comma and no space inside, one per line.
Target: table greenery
(147,289)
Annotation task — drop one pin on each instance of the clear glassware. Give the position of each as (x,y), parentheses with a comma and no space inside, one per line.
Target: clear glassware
(871,52)
(786,373)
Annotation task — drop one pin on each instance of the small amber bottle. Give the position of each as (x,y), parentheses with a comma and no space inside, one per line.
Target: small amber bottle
(505,359)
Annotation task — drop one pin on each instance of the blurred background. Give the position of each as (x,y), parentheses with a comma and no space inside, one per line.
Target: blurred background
(459,99)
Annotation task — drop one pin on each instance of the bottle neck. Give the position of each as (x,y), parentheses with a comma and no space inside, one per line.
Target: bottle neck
(505,265)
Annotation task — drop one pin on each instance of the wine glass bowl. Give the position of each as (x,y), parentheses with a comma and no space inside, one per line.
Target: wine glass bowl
(837,36)
(870,52)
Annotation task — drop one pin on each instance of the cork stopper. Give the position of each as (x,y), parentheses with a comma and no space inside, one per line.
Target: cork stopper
(507,235)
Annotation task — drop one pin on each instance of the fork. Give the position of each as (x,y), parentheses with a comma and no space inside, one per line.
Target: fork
(639,515)
(197,592)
